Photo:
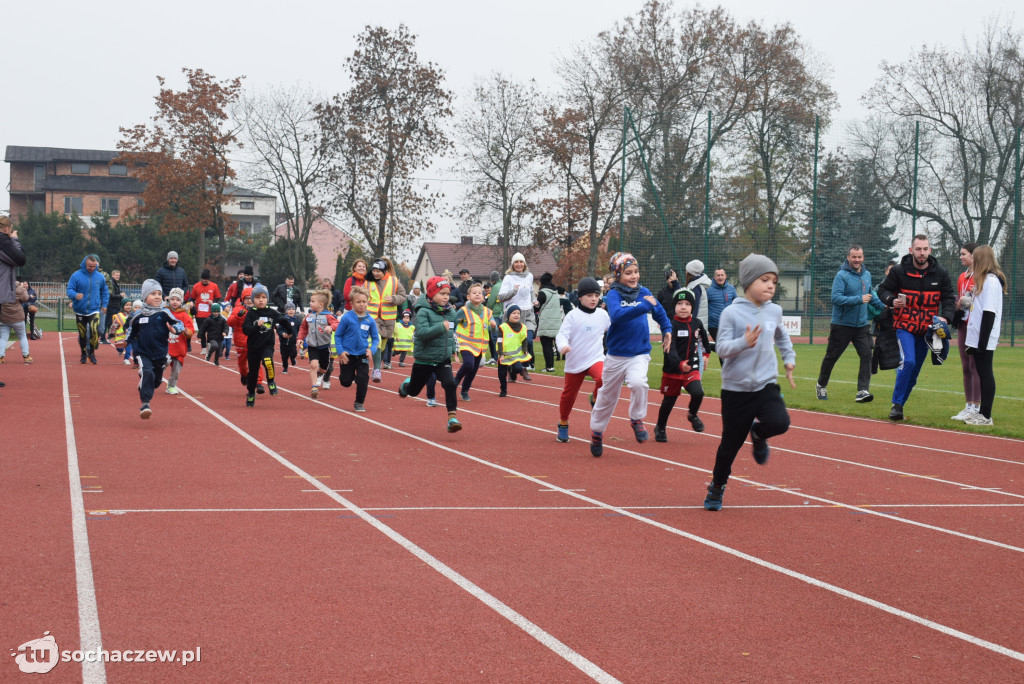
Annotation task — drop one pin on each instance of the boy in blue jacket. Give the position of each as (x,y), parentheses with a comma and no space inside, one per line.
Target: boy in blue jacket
(87,290)
(629,349)
(350,343)
(148,331)
(752,404)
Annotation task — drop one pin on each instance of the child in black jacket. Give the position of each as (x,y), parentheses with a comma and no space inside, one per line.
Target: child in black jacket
(148,331)
(682,364)
(258,327)
(289,349)
(216,328)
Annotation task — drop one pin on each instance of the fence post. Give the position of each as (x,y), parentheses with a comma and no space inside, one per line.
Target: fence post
(707,195)
(622,184)
(814,224)
(917,140)
(1015,305)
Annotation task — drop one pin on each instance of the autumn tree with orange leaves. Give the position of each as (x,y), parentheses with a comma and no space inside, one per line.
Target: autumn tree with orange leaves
(182,158)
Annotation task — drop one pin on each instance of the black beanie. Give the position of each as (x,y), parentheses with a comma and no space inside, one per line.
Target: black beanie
(588,286)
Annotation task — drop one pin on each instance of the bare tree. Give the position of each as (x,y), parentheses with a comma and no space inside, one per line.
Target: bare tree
(289,158)
(384,128)
(969,104)
(496,141)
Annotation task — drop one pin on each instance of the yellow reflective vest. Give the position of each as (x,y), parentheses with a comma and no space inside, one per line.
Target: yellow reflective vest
(512,345)
(473,331)
(380,291)
(403,337)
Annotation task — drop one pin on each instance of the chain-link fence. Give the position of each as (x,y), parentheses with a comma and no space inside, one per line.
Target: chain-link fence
(803,192)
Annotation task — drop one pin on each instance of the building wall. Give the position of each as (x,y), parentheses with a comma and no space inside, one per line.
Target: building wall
(256,220)
(328,243)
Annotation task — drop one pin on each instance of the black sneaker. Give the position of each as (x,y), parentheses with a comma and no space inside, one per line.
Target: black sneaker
(464,396)
(502,393)
(713,501)
(896,412)
(761,449)
(84,358)
(660,435)
(243,380)
(696,422)
(92,358)
(526,376)
(273,388)
(596,444)
(250,400)
(260,390)
(358,407)
(145,412)
(403,389)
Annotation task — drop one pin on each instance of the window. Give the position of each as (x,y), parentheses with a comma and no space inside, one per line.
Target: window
(110,205)
(245,227)
(140,203)
(73,205)
(247,205)
(39,206)
(79,167)
(118,170)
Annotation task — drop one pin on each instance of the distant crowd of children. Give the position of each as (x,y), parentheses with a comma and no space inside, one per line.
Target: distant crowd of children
(606,338)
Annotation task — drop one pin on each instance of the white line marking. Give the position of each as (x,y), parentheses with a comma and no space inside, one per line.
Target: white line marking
(548,640)
(88,612)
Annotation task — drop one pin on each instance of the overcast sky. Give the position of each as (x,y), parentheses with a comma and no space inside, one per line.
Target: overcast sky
(74,71)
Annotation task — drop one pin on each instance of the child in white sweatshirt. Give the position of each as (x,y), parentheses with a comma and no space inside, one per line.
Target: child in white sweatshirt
(580,340)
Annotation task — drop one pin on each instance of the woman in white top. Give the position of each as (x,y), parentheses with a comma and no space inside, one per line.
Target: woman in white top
(983,326)
(517,289)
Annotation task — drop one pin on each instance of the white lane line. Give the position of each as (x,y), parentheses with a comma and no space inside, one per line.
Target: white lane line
(548,640)
(88,612)
(911,617)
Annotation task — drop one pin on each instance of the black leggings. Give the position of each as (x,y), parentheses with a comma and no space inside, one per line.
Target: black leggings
(547,345)
(983,362)
(422,372)
(696,391)
(739,409)
(88,332)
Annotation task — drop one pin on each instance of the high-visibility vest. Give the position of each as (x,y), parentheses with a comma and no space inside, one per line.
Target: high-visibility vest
(472,331)
(122,334)
(403,337)
(385,312)
(512,345)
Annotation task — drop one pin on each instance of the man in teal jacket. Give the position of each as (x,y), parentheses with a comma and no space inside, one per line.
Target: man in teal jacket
(851,294)
(87,290)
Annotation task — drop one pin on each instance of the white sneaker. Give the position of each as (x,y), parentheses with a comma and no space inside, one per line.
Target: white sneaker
(127,362)
(375,377)
(964,414)
(326,384)
(172,390)
(431,403)
(978,419)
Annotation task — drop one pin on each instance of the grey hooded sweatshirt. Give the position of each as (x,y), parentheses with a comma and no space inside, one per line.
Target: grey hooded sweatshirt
(749,369)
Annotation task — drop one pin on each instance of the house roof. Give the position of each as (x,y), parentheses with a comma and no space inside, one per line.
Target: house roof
(243,192)
(19,153)
(480,260)
(112,184)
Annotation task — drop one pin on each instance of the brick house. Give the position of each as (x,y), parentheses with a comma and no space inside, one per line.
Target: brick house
(48,179)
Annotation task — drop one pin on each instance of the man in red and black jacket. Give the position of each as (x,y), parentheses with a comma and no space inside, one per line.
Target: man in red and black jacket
(917,289)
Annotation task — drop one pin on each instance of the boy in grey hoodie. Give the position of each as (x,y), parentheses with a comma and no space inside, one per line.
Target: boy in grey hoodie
(748,331)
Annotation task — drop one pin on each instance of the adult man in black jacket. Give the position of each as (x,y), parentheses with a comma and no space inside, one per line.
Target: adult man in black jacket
(171,275)
(917,289)
(287,292)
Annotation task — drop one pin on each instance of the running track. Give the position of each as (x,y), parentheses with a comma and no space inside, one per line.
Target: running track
(300,541)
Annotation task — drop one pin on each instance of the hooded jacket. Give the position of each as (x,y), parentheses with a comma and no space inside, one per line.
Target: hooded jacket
(523,297)
(92,287)
(750,369)
(630,334)
(434,339)
(848,288)
(11,257)
(699,287)
(929,293)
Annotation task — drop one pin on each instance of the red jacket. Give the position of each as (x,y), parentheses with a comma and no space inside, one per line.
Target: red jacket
(235,320)
(177,345)
(204,296)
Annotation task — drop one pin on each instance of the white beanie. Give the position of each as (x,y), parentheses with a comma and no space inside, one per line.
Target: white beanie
(172,255)
(695,267)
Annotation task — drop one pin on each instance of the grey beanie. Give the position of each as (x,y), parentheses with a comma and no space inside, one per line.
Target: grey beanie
(695,267)
(753,267)
(172,255)
(495,276)
(260,288)
(148,287)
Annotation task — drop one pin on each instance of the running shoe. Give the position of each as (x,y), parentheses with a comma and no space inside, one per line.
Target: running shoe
(454,425)
(821,392)
(563,433)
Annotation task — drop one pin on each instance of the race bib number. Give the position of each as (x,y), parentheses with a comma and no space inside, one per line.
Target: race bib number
(144,319)
(682,333)
(365,326)
(451,325)
(204,307)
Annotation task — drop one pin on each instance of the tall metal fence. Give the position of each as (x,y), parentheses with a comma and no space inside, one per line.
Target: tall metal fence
(803,192)
(53,302)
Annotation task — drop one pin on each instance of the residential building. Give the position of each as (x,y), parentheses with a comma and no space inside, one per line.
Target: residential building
(327,240)
(255,212)
(57,179)
(479,259)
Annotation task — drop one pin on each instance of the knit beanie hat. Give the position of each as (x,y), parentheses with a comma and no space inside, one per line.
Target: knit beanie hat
(148,287)
(416,286)
(259,289)
(695,267)
(246,292)
(588,286)
(495,276)
(380,265)
(683,294)
(435,284)
(176,292)
(619,261)
(510,309)
(247,270)
(215,308)
(753,267)
(205,275)
(172,255)
(289,306)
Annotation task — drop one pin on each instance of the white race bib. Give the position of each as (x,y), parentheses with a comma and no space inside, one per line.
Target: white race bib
(683,333)
(204,307)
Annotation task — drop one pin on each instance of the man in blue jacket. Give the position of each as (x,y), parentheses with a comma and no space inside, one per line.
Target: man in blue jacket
(87,290)
(851,293)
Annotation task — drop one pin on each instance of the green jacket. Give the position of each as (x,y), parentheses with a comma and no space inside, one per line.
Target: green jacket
(492,303)
(434,339)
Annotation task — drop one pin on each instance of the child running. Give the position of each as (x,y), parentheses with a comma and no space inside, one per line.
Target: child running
(752,404)
(435,345)
(258,327)
(511,349)
(404,332)
(118,331)
(316,334)
(354,329)
(682,364)
(473,331)
(216,329)
(148,332)
(580,341)
(629,349)
(225,312)
(289,345)
(177,345)
(235,321)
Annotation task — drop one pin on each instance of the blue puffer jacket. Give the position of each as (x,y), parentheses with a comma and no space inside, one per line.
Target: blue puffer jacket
(848,288)
(719,297)
(92,287)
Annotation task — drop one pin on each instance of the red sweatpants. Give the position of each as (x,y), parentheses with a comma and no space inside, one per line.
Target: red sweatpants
(242,356)
(573,382)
